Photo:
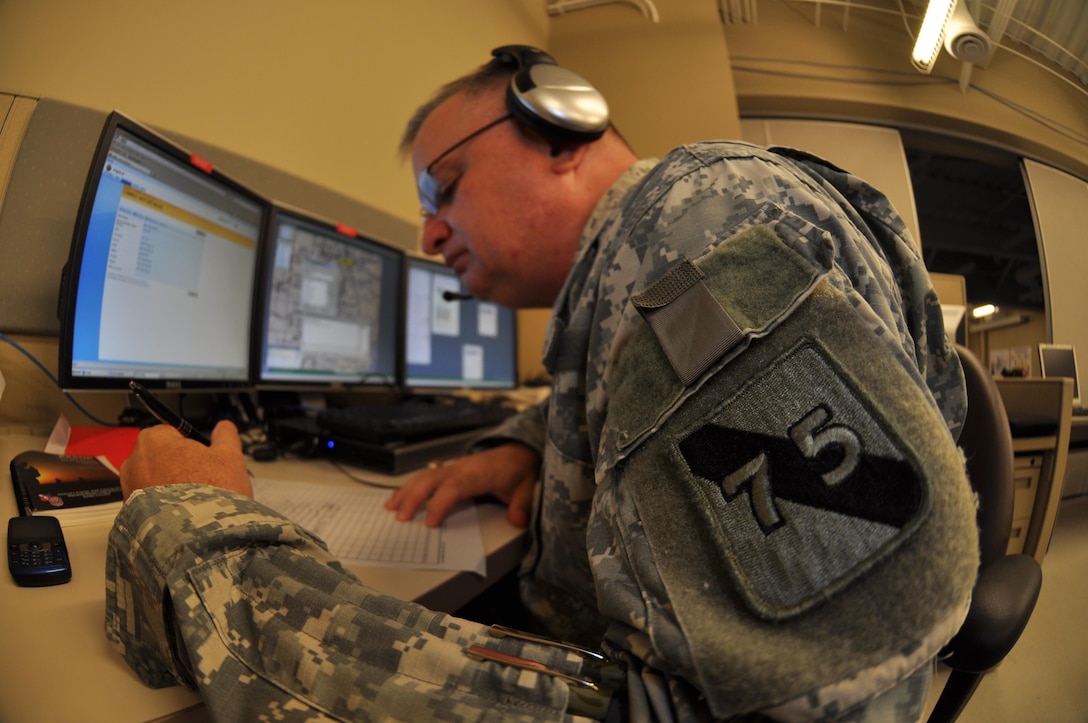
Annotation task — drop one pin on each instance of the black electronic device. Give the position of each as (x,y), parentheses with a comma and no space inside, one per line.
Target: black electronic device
(410,421)
(1060,360)
(556,102)
(161,276)
(330,305)
(37,555)
(393,457)
(451,339)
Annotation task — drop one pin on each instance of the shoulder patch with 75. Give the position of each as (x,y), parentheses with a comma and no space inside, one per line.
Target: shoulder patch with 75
(807,485)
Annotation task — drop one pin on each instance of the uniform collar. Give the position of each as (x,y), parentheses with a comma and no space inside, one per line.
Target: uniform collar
(605,213)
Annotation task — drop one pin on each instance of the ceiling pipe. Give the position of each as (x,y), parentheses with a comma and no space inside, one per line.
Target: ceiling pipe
(646,7)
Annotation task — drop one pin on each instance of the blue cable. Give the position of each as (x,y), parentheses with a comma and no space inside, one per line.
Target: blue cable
(56,382)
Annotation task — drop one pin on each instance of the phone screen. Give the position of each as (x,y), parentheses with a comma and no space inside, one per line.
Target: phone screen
(31,529)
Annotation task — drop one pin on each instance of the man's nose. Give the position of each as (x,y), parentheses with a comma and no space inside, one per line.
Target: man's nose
(435,233)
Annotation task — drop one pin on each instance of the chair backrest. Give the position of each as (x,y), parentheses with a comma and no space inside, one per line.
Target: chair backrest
(986,442)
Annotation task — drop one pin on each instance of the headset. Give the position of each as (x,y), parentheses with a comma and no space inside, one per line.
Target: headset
(555,102)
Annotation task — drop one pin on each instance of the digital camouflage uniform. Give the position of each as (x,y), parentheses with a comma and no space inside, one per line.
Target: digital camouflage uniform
(749,493)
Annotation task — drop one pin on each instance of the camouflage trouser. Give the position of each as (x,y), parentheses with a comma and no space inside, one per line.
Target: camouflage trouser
(216,592)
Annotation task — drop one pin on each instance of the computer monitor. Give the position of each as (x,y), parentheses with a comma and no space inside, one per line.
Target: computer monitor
(453,341)
(159,284)
(330,305)
(1060,360)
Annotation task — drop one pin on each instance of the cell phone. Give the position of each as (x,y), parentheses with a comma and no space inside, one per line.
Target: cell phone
(37,555)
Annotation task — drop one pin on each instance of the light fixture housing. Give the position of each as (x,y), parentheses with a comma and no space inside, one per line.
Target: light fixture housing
(930,37)
(964,40)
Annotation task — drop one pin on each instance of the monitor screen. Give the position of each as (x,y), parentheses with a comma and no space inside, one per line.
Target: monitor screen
(451,341)
(159,284)
(330,305)
(1060,360)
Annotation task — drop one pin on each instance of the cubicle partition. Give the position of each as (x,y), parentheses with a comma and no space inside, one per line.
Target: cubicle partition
(1041,457)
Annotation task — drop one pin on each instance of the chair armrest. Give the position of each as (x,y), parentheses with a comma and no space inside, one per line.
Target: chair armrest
(1002,602)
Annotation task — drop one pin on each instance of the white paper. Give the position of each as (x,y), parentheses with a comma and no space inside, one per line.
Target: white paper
(418,326)
(445,315)
(355,525)
(487,320)
(472,361)
(953,315)
(58,438)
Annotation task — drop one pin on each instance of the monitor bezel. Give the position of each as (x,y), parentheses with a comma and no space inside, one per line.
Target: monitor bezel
(280,209)
(421,388)
(70,277)
(1077,383)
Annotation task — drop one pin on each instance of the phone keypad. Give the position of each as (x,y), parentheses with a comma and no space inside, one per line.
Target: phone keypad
(39,554)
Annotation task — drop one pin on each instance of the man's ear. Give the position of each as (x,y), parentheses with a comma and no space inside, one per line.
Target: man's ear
(568,158)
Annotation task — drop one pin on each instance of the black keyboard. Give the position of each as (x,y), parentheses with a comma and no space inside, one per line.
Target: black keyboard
(410,420)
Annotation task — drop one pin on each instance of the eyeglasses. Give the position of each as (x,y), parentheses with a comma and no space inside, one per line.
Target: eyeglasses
(431,190)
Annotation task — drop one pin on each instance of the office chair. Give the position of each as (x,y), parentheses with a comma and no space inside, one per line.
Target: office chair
(1008,586)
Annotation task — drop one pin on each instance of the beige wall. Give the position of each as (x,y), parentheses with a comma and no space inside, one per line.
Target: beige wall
(256,76)
(667,83)
(319,89)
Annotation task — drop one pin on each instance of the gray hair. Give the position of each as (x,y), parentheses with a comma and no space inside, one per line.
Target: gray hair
(482,79)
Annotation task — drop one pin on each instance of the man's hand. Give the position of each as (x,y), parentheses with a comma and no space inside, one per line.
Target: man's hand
(163,456)
(507,472)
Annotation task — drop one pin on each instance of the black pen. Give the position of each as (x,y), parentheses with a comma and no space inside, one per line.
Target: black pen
(166,415)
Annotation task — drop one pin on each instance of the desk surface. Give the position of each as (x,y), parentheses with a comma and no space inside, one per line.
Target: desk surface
(58,665)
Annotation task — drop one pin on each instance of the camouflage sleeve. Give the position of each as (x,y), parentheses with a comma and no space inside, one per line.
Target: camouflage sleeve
(527,427)
(785,524)
(213,591)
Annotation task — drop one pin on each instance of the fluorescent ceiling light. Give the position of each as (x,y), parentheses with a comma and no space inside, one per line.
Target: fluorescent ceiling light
(983,310)
(928,45)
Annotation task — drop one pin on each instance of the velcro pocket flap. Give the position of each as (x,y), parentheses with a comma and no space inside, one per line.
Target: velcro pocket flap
(701,314)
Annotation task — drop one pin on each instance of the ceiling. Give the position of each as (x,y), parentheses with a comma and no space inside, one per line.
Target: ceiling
(973,211)
(1054,32)
(1054,29)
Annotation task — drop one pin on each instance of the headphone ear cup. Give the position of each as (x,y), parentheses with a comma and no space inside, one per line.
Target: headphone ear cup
(555,102)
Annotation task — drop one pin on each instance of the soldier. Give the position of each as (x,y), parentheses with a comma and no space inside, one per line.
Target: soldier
(744,486)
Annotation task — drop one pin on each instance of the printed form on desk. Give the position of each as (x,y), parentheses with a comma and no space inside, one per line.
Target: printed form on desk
(355,525)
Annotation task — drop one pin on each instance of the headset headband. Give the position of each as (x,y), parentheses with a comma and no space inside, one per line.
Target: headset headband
(551,100)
